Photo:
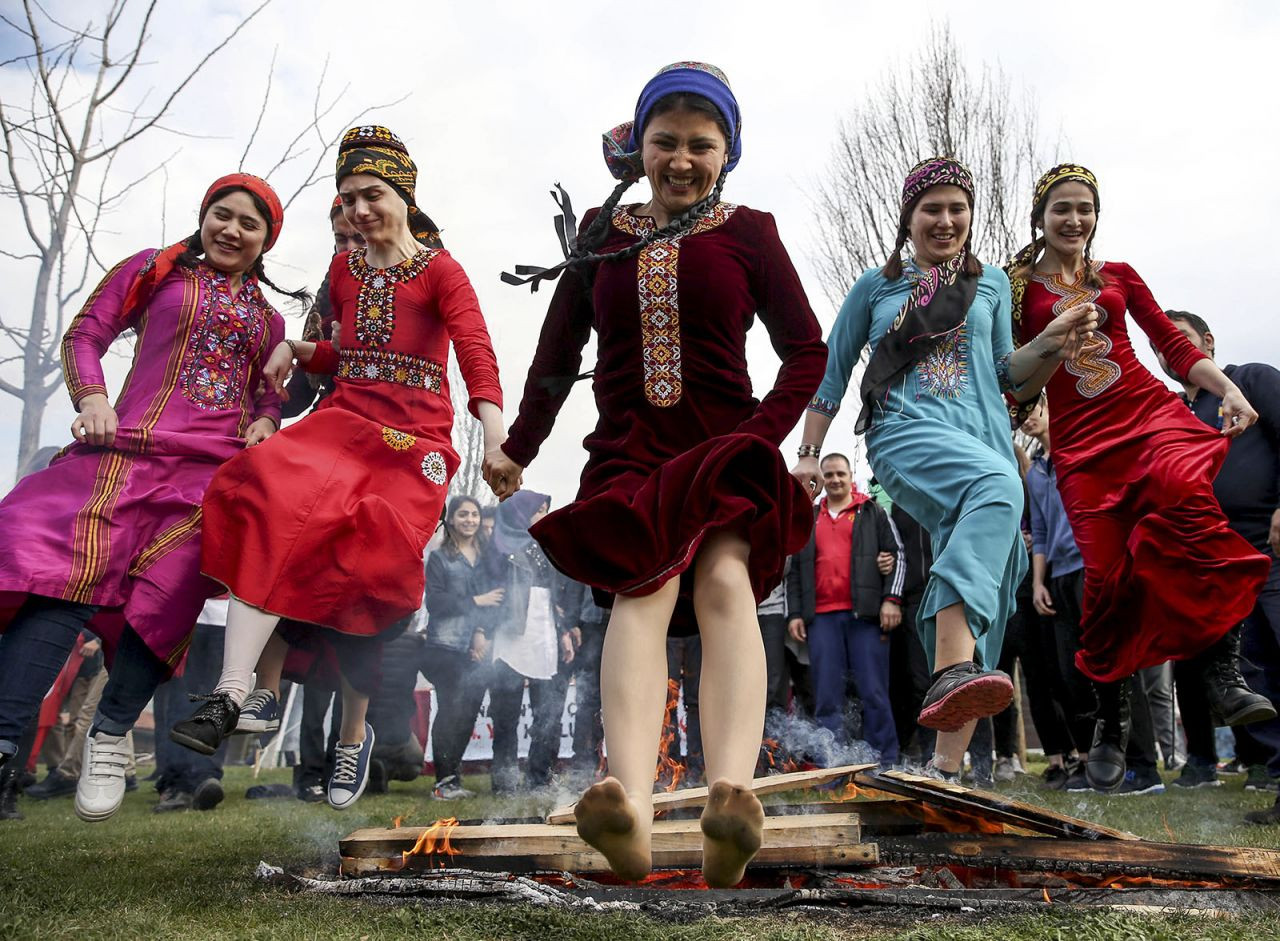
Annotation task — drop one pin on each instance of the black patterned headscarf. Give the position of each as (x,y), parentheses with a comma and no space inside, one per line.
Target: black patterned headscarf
(375,150)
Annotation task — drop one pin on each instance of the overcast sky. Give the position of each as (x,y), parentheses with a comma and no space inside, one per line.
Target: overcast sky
(1171,104)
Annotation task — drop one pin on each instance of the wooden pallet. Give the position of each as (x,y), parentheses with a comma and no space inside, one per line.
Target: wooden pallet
(773,784)
(825,840)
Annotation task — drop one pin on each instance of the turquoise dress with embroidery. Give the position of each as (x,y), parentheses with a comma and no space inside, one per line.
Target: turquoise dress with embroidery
(940,445)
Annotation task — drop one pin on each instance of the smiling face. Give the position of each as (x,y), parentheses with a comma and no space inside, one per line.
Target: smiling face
(837,478)
(375,210)
(684,152)
(465,520)
(939,224)
(1070,216)
(233,232)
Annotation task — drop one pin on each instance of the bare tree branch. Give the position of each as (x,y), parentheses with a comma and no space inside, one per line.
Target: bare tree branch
(266,97)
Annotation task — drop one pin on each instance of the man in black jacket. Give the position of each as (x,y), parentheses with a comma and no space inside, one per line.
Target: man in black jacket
(1248,487)
(848,608)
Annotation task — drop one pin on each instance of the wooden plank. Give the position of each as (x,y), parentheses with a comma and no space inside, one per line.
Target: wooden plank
(897,814)
(772,784)
(990,805)
(847,856)
(540,839)
(1189,862)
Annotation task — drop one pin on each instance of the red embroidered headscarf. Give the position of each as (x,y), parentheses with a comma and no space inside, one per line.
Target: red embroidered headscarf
(163,264)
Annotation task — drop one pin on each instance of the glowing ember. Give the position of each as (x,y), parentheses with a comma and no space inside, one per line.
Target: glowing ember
(397,822)
(434,841)
(772,752)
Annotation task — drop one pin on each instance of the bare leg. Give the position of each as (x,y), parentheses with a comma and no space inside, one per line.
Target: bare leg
(954,641)
(271,664)
(732,701)
(354,706)
(948,753)
(616,815)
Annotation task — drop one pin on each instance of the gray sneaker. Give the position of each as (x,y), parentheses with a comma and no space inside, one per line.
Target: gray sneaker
(450,789)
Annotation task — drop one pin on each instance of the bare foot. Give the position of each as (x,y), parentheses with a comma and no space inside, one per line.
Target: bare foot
(732,827)
(611,822)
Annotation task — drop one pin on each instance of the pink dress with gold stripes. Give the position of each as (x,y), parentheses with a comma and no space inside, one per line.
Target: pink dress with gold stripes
(119,526)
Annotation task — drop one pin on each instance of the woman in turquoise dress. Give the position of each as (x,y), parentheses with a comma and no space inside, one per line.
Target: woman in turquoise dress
(938,431)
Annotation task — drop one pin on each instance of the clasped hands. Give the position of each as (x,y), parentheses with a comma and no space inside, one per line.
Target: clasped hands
(1065,335)
(503,475)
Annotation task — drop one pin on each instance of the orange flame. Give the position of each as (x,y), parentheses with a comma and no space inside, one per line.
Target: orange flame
(1045,891)
(667,764)
(397,821)
(434,841)
(851,793)
(775,754)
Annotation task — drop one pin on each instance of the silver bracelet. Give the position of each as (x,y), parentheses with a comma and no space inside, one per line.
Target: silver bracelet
(809,450)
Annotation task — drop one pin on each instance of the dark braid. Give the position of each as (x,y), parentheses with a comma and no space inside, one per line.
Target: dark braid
(597,232)
(680,225)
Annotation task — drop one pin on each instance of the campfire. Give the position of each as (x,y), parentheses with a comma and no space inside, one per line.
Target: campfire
(849,836)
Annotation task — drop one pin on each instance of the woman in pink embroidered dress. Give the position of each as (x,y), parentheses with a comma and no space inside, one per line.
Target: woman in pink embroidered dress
(109,534)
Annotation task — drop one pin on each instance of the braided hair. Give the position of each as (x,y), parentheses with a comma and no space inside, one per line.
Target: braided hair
(1024,263)
(190,258)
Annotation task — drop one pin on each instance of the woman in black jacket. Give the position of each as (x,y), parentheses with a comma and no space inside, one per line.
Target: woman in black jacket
(460,601)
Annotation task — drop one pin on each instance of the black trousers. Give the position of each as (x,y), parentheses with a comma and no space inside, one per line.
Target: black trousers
(908,683)
(1259,743)
(773,631)
(392,707)
(546,700)
(1076,692)
(179,768)
(588,729)
(684,668)
(315,753)
(460,684)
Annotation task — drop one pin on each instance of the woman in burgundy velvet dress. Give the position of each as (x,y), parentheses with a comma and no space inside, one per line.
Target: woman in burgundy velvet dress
(686,511)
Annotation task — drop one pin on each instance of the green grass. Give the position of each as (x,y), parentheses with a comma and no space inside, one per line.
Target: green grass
(190,876)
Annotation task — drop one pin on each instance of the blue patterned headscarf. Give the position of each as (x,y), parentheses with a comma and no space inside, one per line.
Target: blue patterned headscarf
(622,144)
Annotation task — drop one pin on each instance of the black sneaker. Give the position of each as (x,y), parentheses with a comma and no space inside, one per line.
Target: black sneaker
(450,789)
(1257,779)
(1078,780)
(55,784)
(1140,781)
(9,793)
(962,693)
(173,801)
(1055,778)
(207,795)
(1197,776)
(310,793)
(208,725)
(1268,816)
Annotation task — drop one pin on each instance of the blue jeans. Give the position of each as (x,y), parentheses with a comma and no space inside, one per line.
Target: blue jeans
(841,645)
(33,650)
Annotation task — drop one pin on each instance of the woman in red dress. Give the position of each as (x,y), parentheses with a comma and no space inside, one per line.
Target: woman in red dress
(356,487)
(1165,578)
(686,511)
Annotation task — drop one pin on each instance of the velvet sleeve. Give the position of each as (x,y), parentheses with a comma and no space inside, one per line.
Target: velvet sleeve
(1168,339)
(460,309)
(844,345)
(556,360)
(267,402)
(95,328)
(794,332)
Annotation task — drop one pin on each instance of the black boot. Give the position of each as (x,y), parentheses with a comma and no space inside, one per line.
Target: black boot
(9,792)
(1230,698)
(1267,817)
(1106,766)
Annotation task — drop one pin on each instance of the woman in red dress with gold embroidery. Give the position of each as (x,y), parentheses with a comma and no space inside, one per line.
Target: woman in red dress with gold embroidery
(686,511)
(1165,578)
(356,487)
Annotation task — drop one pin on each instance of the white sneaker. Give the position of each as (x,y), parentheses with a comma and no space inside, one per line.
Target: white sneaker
(100,790)
(1005,769)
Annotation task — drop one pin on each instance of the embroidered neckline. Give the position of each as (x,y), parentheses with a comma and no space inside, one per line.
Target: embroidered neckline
(625,220)
(1057,278)
(375,305)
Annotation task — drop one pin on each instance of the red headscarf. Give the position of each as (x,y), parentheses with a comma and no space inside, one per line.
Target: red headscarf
(163,264)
